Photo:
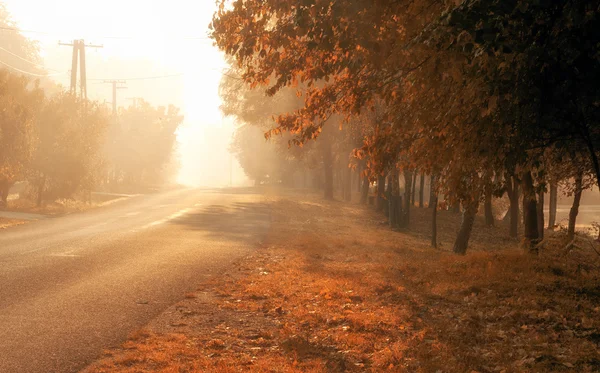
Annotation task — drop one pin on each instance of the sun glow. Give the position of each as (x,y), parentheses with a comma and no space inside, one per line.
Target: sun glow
(165,41)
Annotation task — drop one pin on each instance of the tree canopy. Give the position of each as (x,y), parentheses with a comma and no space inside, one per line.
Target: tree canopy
(472,91)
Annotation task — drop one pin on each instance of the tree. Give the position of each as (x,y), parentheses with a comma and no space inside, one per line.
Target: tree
(141,145)
(70,133)
(19,109)
(466,88)
(421,189)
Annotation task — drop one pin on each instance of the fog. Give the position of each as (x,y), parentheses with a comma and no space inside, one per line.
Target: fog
(164,56)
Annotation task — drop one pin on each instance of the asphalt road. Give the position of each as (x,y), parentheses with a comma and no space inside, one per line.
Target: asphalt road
(74,285)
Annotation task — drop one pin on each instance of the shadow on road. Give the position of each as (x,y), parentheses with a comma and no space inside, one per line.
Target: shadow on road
(237,221)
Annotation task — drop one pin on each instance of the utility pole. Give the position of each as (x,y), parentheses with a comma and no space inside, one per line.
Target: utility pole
(135,100)
(79,51)
(114,92)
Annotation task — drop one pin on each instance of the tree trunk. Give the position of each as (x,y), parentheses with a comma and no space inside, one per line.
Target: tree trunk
(433,197)
(364,192)
(590,144)
(487,204)
(339,178)
(395,200)
(41,186)
(575,208)
(421,189)
(489,213)
(408,178)
(513,196)
(5,186)
(433,205)
(540,214)
(552,205)
(347,184)
(464,234)
(380,199)
(359,178)
(392,200)
(530,214)
(413,190)
(388,195)
(327,168)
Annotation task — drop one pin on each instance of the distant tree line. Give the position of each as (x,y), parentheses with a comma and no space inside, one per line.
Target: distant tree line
(140,147)
(65,147)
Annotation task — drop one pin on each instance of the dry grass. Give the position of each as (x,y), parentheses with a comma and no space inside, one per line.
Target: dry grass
(7,223)
(59,207)
(332,289)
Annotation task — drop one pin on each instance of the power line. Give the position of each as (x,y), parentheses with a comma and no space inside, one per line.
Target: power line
(19,30)
(122,37)
(169,76)
(30,73)
(101,79)
(24,59)
(144,77)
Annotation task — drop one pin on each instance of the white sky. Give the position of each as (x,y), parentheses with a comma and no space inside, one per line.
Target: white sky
(144,38)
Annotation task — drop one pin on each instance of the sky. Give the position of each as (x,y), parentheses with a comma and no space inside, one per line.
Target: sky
(140,39)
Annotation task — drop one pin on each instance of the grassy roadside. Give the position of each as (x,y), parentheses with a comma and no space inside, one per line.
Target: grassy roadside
(7,223)
(57,208)
(61,207)
(331,289)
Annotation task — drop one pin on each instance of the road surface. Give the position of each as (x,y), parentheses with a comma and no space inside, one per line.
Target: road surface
(75,285)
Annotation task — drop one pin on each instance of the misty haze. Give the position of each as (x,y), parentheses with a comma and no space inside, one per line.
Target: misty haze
(299,186)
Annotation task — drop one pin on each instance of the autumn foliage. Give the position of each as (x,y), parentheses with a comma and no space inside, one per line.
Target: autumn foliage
(479,94)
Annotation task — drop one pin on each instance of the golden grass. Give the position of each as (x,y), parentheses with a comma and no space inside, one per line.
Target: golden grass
(333,289)
(7,223)
(59,207)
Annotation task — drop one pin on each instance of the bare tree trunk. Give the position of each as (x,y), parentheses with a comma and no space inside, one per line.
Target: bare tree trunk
(540,214)
(395,200)
(464,234)
(590,144)
(413,189)
(433,206)
(340,171)
(487,204)
(552,205)
(41,186)
(392,200)
(5,186)
(380,199)
(513,195)
(347,184)
(364,193)
(530,214)
(388,195)
(575,208)
(327,167)
(408,177)
(433,196)
(489,212)
(421,189)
